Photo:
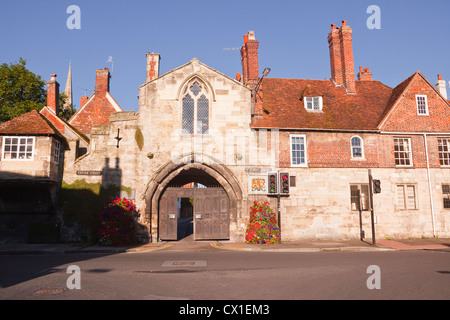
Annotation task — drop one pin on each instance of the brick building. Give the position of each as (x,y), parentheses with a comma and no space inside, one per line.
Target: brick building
(204,138)
(95,110)
(198,125)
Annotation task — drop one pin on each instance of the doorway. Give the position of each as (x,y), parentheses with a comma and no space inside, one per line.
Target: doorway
(195,204)
(185,224)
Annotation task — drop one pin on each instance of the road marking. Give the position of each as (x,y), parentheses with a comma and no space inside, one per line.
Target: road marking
(184,263)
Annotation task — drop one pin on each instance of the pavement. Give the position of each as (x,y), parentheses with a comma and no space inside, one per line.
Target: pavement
(189,244)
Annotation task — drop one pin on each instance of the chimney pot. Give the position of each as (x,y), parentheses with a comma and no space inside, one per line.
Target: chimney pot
(333,26)
(439,77)
(341,58)
(360,69)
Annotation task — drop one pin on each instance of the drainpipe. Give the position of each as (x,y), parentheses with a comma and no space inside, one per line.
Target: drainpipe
(429,185)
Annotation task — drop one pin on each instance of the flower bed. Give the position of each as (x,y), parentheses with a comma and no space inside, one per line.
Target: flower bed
(263,225)
(118,223)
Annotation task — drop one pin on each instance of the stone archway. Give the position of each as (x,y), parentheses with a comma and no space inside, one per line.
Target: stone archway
(172,171)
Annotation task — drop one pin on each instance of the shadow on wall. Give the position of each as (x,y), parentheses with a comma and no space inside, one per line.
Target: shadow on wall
(27,204)
(80,203)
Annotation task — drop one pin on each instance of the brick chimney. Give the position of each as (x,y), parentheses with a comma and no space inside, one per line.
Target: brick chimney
(53,94)
(341,57)
(83,100)
(364,75)
(152,66)
(102,81)
(249,55)
(440,85)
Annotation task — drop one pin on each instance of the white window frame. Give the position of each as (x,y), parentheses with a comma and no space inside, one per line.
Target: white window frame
(311,101)
(444,155)
(305,162)
(403,200)
(18,147)
(409,152)
(418,96)
(361,157)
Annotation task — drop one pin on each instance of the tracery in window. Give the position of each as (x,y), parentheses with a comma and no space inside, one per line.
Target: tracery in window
(195,113)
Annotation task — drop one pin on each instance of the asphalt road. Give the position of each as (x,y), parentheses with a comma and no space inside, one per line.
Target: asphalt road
(213,274)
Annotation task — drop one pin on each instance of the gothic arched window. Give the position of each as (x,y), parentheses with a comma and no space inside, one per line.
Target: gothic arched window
(195,113)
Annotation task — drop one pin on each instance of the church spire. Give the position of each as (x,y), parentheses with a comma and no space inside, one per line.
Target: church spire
(68,90)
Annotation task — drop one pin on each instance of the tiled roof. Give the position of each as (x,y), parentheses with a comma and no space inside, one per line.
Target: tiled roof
(282,107)
(30,123)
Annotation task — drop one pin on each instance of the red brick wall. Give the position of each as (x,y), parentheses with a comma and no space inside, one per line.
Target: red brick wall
(333,150)
(98,110)
(404,117)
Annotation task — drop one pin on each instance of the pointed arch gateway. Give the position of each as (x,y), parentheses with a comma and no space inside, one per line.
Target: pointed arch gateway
(217,205)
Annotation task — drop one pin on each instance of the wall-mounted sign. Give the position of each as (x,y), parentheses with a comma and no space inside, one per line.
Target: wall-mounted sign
(89,173)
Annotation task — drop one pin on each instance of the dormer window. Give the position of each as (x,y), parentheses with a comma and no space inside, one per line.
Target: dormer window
(313,104)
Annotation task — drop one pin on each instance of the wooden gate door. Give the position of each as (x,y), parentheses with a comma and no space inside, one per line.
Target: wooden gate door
(168,215)
(211,214)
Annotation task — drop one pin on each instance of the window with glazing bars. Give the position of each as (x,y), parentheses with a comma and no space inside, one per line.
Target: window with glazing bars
(298,150)
(357,147)
(18,148)
(313,103)
(195,113)
(422,105)
(406,197)
(402,151)
(444,151)
(446,195)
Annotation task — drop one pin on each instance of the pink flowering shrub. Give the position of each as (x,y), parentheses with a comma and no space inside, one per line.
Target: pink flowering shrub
(118,223)
(263,225)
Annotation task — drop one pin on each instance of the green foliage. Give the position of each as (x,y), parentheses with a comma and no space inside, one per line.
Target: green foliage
(20,90)
(139,137)
(81,202)
(65,113)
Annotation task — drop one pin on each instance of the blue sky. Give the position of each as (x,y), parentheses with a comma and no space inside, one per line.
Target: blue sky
(292,36)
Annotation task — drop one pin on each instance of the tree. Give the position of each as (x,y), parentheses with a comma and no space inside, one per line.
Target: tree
(67,112)
(20,90)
